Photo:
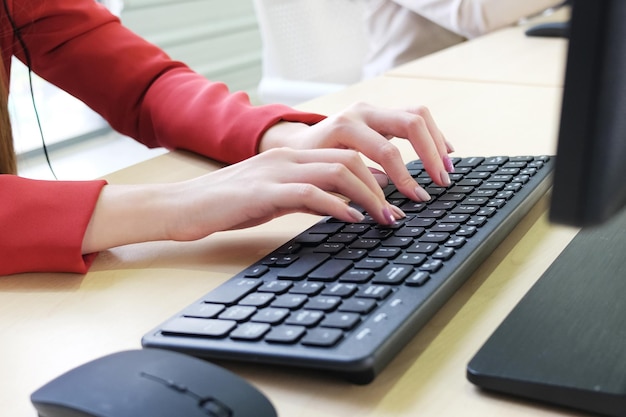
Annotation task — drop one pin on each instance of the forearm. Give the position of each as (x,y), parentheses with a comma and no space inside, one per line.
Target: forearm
(140,90)
(126,214)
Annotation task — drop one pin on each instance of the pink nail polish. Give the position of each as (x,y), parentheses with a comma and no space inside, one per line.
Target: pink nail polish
(388,216)
(398,213)
(422,194)
(448,165)
(355,214)
(445,178)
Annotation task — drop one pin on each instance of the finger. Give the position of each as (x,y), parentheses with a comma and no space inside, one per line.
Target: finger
(341,162)
(342,171)
(381,178)
(304,197)
(418,126)
(444,147)
(338,178)
(366,138)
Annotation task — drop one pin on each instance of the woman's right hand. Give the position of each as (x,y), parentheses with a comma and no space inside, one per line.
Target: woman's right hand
(254,191)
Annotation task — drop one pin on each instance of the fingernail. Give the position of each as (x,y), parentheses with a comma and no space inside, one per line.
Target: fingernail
(422,194)
(448,165)
(381,179)
(449,146)
(397,211)
(388,216)
(355,214)
(445,178)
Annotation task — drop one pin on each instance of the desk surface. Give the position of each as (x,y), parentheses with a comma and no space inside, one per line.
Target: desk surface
(50,323)
(504,56)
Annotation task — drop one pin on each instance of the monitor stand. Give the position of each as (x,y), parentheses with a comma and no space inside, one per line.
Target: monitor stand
(565,342)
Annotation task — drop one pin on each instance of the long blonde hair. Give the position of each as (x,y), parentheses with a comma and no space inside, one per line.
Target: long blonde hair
(8,164)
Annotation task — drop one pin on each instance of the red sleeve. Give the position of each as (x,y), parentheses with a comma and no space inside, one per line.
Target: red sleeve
(79,46)
(43,224)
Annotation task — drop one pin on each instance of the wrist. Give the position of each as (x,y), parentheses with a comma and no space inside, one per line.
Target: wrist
(282,134)
(126,214)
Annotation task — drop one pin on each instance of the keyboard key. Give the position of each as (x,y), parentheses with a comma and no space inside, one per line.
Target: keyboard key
(357,275)
(342,290)
(322,337)
(232,291)
(276,287)
(386,253)
(372,263)
(290,301)
(270,315)
(445,227)
(358,305)
(330,247)
(238,313)
(414,259)
(285,334)
(250,331)
(256,271)
(378,292)
(426,248)
(341,320)
(456,242)
(443,254)
(351,254)
(259,299)
(307,318)
(432,265)
(203,310)
(419,278)
(393,274)
(323,303)
(330,270)
(305,264)
(472,162)
(308,288)
(412,232)
(198,327)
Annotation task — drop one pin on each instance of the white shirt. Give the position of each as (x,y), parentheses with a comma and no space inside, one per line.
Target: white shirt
(402,30)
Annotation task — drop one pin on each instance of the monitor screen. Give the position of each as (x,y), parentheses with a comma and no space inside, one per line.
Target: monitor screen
(590,172)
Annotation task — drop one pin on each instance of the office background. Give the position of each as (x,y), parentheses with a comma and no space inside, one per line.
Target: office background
(219,39)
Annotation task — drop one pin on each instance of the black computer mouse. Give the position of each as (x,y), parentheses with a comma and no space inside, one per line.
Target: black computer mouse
(150,382)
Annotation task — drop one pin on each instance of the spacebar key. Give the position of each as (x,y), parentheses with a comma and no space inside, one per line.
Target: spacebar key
(232,291)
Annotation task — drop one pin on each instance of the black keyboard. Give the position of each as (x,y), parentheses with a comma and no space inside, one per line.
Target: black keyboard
(346,297)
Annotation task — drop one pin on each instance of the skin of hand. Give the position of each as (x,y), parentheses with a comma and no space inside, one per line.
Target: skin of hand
(367,129)
(317,173)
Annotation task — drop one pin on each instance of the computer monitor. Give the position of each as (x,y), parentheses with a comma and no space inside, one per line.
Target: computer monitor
(563,343)
(590,172)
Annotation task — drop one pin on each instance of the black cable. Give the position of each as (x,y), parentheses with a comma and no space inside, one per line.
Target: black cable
(18,35)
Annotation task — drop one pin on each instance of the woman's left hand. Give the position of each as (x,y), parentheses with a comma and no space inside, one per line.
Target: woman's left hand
(367,129)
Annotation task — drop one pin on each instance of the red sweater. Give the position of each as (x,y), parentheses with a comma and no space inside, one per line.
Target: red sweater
(140,91)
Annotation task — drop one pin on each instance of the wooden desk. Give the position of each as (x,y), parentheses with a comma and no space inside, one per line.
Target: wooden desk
(505,56)
(50,323)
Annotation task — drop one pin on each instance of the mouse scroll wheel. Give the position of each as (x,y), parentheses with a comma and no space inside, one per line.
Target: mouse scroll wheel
(215,408)
(167,382)
(177,387)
